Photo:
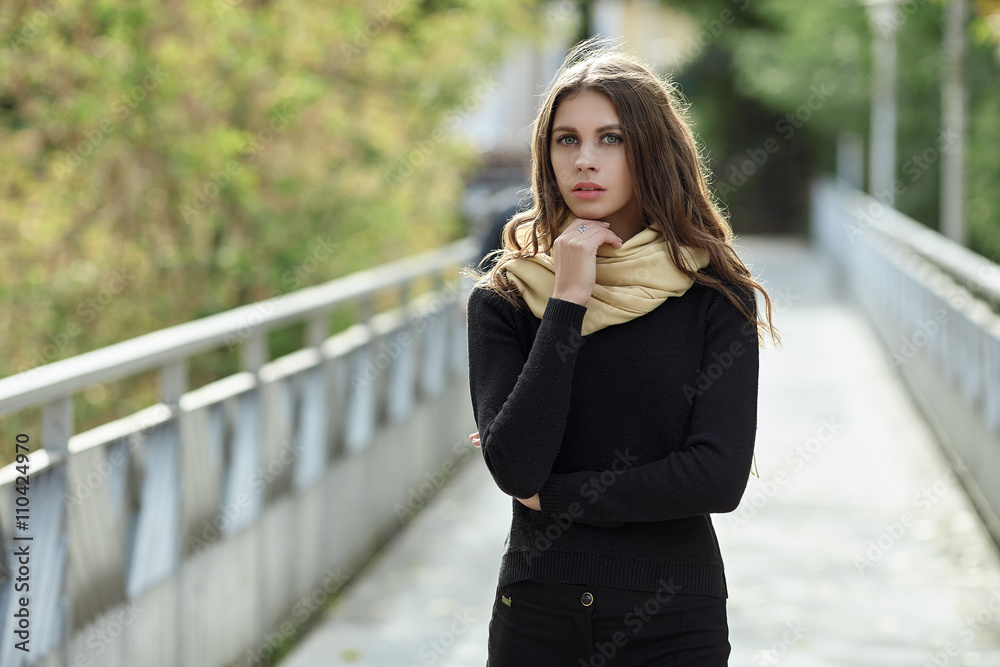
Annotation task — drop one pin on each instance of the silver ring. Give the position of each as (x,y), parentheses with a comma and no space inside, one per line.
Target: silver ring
(581,228)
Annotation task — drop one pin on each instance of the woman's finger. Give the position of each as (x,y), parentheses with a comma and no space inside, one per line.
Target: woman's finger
(595,228)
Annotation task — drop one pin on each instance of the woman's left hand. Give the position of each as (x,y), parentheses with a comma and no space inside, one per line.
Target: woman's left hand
(531,503)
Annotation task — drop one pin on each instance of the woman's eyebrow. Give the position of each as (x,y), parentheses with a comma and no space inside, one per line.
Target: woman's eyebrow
(603,128)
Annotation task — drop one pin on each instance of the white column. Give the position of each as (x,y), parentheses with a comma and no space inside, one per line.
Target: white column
(851,159)
(953,106)
(884,19)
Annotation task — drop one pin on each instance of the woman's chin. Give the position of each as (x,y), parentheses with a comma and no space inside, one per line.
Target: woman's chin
(588,212)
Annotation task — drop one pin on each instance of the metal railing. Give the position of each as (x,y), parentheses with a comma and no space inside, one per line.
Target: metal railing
(186,533)
(933,303)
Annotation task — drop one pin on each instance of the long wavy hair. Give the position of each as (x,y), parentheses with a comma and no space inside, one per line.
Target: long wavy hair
(670,177)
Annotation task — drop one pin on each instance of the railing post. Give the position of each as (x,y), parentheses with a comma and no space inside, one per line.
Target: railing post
(57,428)
(173,383)
(316,331)
(151,468)
(953,111)
(255,351)
(365,309)
(405,293)
(883,18)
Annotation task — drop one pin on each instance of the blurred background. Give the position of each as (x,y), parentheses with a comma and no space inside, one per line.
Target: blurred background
(164,162)
(209,146)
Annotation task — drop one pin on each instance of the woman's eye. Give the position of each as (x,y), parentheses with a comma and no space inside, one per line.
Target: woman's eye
(565,140)
(612,139)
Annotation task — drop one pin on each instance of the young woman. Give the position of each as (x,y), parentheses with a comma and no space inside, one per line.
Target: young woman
(613,359)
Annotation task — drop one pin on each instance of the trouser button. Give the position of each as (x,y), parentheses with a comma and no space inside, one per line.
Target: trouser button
(586,599)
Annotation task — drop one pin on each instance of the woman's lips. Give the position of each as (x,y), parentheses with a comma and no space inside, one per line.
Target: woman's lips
(587,194)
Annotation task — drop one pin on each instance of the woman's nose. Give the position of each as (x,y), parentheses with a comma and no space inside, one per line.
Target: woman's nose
(586,159)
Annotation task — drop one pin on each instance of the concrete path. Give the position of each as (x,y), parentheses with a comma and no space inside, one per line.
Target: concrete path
(855,547)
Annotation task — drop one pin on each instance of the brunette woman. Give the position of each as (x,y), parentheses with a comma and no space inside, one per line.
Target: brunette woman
(613,362)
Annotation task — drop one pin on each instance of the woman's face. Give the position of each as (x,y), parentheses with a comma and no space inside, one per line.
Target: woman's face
(588,157)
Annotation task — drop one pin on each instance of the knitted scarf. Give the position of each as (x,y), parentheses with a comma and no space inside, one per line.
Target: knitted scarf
(631,280)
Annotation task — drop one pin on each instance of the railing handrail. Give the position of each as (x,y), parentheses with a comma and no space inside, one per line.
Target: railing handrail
(164,347)
(927,299)
(975,272)
(121,512)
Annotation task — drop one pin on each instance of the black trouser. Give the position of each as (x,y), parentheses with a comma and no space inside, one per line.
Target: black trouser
(547,624)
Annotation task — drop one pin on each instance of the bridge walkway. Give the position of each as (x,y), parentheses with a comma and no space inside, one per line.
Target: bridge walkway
(856,546)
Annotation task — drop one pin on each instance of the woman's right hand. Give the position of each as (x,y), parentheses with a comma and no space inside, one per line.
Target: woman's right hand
(575,258)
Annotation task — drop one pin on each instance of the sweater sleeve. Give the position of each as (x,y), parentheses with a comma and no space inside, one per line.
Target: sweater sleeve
(710,474)
(520,404)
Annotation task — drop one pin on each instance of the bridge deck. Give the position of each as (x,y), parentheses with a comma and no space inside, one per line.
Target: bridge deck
(855,547)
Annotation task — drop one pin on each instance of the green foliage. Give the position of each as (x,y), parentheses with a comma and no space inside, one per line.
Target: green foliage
(800,47)
(982,211)
(161,162)
(797,46)
(213,147)
(774,80)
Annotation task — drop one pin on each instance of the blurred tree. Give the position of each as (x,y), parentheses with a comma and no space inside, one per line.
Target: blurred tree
(160,162)
(801,46)
(982,211)
(761,155)
(163,161)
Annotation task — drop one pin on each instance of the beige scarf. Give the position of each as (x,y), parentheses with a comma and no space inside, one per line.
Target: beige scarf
(631,280)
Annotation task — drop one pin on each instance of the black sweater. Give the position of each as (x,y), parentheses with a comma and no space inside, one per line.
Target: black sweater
(631,436)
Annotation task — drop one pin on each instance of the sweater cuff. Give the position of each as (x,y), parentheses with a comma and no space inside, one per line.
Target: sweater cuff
(565,312)
(556,498)
(563,496)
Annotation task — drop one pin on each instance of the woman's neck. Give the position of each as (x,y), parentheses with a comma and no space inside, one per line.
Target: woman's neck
(627,222)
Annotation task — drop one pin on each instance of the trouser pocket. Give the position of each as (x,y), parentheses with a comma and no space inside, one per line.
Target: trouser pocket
(537,635)
(501,638)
